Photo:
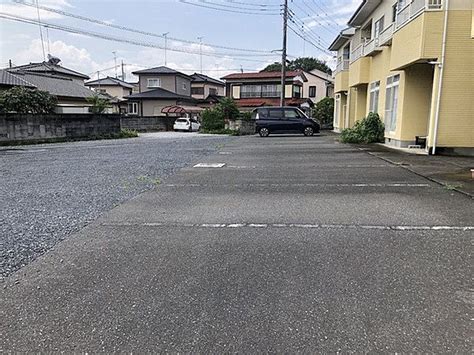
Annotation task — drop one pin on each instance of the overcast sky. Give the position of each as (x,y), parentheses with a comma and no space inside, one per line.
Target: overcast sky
(21,42)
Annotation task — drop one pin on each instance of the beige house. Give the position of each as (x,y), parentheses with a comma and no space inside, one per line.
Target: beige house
(115,89)
(158,88)
(318,85)
(203,86)
(411,62)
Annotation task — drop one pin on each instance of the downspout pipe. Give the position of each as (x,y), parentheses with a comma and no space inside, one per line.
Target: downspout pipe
(441,75)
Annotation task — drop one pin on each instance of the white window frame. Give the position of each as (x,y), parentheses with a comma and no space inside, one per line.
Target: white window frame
(391,102)
(379,27)
(134,106)
(337,109)
(374,95)
(150,86)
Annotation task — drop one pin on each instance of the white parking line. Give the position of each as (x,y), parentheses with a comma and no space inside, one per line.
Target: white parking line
(303,185)
(295,225)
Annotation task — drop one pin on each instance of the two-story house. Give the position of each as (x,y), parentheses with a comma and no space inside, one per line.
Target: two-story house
(250,90)
(158,88)
(318,85)
(410,61)
(203,86)
(113,88)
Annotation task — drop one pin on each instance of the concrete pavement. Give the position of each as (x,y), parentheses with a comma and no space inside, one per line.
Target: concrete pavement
(297,244)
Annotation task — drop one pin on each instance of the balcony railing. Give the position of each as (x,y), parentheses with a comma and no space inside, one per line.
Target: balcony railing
(341,66)
(370,46)
(414,8)
(386,35)
(357,53)
(253,94)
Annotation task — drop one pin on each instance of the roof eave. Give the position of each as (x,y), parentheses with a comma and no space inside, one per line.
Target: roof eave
(362,12)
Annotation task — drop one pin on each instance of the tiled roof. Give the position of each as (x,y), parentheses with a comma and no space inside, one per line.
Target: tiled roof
(201,78)
(55,85)
(263,75)
(46,67)
(9,79)
(109,81)
(160,70)
(157,94)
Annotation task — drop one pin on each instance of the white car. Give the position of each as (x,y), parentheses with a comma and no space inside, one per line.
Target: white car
(186,124)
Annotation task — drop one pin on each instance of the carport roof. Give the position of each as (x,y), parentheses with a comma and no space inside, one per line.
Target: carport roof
(158,93)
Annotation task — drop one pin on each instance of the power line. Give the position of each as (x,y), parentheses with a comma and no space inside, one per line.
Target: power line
(316,12)
(128,29)
(228,10)
(325,13)
(40,30)
(237,7)
(252,4)
(121,40)
(306,13)
(297,21)
(307,40)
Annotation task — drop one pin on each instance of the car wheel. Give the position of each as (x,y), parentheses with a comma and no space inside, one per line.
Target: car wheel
(308,131)
(264,132)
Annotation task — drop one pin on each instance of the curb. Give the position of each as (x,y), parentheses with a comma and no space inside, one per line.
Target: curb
(419,174)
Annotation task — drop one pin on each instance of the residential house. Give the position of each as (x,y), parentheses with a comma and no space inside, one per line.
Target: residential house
(318,85)
(411,62)
(250,90)
(160,87)
(115,89)
(203,86)
(66,84)
(9,80)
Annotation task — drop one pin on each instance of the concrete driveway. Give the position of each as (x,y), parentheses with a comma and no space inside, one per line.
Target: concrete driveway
(296,244)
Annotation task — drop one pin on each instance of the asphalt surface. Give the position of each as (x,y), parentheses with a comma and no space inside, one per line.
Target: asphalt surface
(296,244)
(48,192)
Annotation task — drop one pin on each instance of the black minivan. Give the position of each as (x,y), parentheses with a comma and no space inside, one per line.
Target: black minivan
(283,120)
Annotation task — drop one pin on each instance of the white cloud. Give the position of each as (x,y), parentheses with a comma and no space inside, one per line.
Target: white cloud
(15,8)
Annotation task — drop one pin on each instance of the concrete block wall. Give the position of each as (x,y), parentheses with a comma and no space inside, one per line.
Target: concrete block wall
(28,127)
(148,123)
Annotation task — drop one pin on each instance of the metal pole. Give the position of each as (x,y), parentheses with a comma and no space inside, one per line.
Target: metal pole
(200,51)
(115,62)
(123,72)
(166,44)
(283,53)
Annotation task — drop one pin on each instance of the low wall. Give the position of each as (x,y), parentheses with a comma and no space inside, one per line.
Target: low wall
(49,127)
(245,127)
(148,123)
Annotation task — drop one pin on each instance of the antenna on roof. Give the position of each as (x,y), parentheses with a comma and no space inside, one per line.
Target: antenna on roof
(53,60)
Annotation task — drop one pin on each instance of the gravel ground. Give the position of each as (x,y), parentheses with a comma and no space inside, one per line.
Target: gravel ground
(49,191)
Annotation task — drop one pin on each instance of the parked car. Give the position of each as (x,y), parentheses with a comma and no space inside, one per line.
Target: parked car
(186,124)
(271,120)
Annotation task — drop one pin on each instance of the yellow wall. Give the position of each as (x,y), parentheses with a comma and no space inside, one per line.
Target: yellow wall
(359,71)
(341,82)
(456,121)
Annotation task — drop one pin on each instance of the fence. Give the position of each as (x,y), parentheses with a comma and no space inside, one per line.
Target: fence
(147,123)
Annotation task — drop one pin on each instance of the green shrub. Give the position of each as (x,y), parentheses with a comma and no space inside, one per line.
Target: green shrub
(23,100)
(127,133)
(227,108)
(324,110)
(99,104)
(246,116)
(368,130)
(212,119)
(230,132)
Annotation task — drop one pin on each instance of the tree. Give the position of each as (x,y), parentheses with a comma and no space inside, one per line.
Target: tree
(227,108)
(24,100)
(304,63)
(99,104)
(324,110)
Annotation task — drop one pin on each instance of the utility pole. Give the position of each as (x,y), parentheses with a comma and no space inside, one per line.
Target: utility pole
(283,53)
(166,44)
(200,50)
(123,72)
(115,62)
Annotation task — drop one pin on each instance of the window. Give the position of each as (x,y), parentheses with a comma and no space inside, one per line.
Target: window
(374,96)
(212,91)
(296,91)
(261,113)
(391,103)
(133,108)
(154,83)
(312,91)
(292,113)
(269,90)
(275,113)
(101,91)
(197,91)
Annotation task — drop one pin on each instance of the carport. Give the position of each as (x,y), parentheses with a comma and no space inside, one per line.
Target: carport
(182,111)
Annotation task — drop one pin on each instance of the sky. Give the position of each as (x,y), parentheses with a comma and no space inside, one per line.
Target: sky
(236,34)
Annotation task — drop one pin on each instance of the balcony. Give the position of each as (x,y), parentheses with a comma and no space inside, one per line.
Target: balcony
(371,47)
(385,37)
(356,53)
(415,8)
(342,66)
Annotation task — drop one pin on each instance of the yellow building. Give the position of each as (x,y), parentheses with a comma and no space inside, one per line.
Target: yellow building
(412,62)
